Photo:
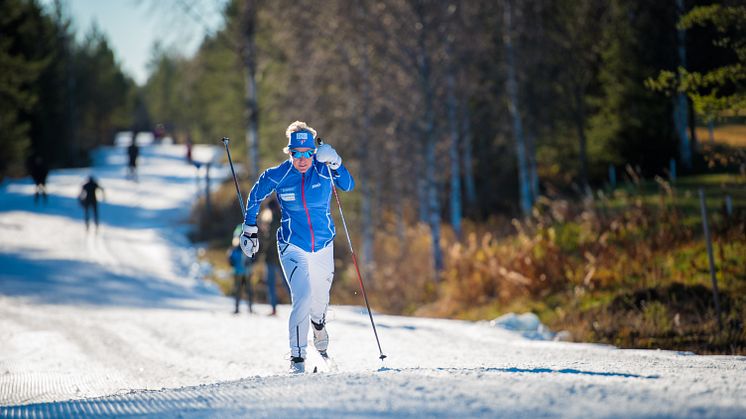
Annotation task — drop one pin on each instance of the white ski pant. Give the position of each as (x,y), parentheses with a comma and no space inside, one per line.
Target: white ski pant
(309,276)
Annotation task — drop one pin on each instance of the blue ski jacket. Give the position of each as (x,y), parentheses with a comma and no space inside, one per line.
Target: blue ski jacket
(238,261)
(305,201)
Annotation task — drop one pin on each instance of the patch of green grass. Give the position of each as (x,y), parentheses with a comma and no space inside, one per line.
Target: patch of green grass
(597,300)
(684,195)
(711,180)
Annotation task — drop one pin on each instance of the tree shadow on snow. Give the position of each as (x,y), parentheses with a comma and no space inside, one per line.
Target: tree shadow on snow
(61,281)
(573,371)
(121,216)
(532,371)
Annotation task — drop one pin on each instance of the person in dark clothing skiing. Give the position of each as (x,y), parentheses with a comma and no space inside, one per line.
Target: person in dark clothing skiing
(270,219)
(89,200)
(305,239)
(38,170)
(189,146)
(241,265)
(133,151)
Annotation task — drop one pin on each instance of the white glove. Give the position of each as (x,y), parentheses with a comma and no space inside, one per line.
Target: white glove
(326,154)
(249,240)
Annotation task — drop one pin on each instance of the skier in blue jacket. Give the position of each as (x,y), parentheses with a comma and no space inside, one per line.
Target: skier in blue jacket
(305,239)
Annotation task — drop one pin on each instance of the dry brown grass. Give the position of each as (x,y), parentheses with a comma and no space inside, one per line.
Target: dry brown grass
(603,272)
(733,135)
(581,266)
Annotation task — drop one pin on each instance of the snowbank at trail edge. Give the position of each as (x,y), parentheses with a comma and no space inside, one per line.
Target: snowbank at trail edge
(529,326)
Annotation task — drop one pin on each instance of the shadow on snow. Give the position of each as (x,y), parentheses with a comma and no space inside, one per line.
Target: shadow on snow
(57,281)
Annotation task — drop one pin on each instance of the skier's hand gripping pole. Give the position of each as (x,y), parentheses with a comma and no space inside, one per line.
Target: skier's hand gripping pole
(249,239)
(352,252)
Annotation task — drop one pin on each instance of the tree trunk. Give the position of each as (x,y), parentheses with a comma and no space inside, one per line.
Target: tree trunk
(248,54)
(513,107)
(533,173)
(365,168)
(692,124)
(470,189)
(681,106)
(582,139)
(422,205)
(434,205)
(454,154)
(429,141)
(399,192)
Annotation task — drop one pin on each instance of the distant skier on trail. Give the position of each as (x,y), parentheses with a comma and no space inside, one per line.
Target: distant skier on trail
(189,145)
(38,170)
(242,267)
(133,151)
(270,223)
(305,239)
(89,200)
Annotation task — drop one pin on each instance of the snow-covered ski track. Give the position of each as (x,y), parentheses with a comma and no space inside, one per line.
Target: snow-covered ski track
(119,323)
(438,392)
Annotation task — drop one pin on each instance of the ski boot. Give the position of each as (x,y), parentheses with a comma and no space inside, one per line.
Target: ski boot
(297,365)
(320,337)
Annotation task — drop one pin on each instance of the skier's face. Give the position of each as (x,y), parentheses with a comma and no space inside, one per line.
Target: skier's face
(302,163)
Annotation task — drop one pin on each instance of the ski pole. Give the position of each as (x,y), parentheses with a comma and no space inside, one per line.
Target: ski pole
(354,258)
(226,140)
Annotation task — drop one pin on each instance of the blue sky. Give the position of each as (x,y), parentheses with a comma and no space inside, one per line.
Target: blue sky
(133,26)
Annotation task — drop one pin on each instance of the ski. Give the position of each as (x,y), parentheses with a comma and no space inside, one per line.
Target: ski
(329,364)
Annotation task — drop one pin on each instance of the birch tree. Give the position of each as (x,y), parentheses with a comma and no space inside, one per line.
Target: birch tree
(452,65)
(248,52)
(511,86)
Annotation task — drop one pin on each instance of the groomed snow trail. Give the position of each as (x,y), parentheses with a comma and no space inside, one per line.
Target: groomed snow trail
(119,323)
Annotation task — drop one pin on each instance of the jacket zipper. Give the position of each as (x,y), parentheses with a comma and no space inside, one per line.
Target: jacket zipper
(305,207)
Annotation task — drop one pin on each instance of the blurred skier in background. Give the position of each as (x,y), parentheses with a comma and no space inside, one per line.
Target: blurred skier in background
(89,200)
(159,133)
(305,239)
(189,145)
(242,267)
(133,151)
(270,222)
(38,170)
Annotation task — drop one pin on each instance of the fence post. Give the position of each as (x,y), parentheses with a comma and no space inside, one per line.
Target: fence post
(612,176)
(208,210)
(713,276)
(672,170)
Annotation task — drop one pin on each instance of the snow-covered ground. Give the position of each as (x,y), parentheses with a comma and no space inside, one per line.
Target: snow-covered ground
(119,323)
